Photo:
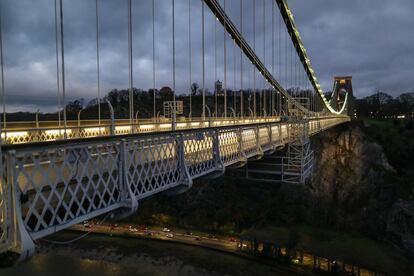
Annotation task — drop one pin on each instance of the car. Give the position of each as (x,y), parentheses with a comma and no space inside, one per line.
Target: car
(132,229)
(232,239)
(169,235)
(87,225)
(166,229)
(189,233)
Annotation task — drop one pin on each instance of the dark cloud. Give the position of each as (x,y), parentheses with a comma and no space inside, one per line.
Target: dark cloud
(370,40)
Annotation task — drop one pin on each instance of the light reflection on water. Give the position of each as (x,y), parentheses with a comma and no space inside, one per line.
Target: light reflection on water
(55,265)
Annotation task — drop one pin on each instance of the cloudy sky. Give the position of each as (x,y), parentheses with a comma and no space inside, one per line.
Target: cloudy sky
(371,40)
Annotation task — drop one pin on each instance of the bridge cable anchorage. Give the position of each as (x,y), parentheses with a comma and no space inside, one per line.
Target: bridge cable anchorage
(57,63)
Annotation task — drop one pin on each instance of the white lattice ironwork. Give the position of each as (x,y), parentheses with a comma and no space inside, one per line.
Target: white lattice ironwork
(66,184)
(199,153)
(4,216)
(231,151)
(250,143)
(58,184)
(277,138)
(265,139)
(152,164)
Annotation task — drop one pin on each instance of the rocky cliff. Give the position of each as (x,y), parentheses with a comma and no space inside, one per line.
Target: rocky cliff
(355,188)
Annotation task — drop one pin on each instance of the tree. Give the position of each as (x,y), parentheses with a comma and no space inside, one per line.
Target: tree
(194,88)
(75,106)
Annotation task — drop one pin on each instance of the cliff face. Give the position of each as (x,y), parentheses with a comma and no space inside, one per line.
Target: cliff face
(355,188)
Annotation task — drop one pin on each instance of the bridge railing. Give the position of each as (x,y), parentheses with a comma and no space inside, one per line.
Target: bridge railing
(25,132)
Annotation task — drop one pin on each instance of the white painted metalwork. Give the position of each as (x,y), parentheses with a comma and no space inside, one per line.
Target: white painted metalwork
(50,186)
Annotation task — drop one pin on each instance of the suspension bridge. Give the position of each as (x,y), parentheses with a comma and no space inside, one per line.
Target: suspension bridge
(57,173)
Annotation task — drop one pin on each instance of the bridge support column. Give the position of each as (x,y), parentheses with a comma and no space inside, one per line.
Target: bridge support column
(185,181)
(259,148)
(271,143)
(128,198)
(19,240)
(185,178)
(216,153)
(242,153)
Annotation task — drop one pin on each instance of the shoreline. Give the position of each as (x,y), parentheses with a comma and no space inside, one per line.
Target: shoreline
(281,267)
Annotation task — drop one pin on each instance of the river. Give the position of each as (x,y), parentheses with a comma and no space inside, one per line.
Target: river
(104,255)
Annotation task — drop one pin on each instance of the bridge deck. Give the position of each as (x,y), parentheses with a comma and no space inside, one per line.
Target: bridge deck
(62,183)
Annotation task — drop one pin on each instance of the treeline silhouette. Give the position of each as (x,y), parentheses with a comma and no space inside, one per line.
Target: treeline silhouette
(384,106)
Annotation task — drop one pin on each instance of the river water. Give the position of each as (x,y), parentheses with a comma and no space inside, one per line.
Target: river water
(104,255)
